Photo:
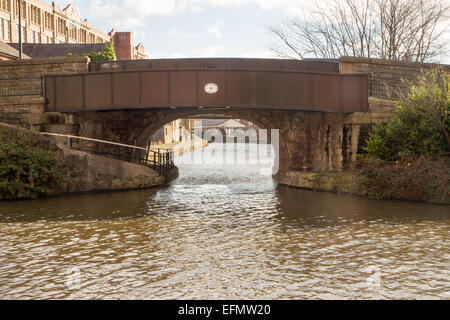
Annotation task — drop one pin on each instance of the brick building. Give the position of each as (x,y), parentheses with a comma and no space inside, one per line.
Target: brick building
(49,24)
(124,46)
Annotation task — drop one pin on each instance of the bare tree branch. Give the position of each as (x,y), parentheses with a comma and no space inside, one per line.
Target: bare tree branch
(389,29)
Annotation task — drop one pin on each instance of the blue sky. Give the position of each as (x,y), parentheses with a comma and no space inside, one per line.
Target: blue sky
(191,28)
(195,28)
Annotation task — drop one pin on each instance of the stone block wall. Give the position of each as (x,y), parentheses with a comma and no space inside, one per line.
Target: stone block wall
(25,111)
(384,68)
(36,67)
(28,110)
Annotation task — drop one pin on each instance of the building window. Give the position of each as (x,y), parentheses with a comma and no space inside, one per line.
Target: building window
(82,36)
(73,32)
(48,21)
(8,31)
(5,5)
(2,28)
(62,28)
(35,14)
(24,9)
(23,34)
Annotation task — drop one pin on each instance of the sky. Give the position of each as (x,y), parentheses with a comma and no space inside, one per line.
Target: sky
(191,28)
(194,28)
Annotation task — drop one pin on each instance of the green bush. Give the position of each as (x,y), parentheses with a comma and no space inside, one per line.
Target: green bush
(421,124)
(27,168)
(106,54)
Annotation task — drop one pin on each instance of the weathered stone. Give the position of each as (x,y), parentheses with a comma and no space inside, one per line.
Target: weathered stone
(54,118)
(89,172)
(35,118)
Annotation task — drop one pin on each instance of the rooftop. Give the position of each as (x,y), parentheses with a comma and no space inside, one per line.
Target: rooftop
(48,50)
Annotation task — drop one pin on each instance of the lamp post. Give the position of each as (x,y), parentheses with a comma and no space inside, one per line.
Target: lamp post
(20,29)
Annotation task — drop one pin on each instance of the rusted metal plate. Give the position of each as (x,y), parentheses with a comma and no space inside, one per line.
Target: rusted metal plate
(240,88)
(254,83)
(68,93)
(296,90)
(155,91)
(98,91)
(126,90)
(353,102)
(183,88)
(267,90)
(325,92)
(50,93)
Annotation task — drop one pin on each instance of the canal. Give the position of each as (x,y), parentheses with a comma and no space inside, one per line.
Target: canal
(223,232)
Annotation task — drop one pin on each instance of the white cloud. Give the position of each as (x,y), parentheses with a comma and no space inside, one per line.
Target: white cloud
(174,32)
(211,51)
(132,13)
(215,29)
(259,54)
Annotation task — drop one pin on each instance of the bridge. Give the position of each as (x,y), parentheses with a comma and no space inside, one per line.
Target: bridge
(208,83)
(322,109)
(128,101)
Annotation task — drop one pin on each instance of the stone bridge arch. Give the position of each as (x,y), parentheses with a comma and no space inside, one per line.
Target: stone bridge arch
(307,140)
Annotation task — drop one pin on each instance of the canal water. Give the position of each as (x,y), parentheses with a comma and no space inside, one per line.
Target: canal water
(223,232)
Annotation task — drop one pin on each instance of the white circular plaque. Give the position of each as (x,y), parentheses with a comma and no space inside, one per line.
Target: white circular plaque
(211,88)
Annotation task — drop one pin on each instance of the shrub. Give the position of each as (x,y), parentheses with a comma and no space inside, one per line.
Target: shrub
(421,179)
(421,124)
(106,54)
(27,168)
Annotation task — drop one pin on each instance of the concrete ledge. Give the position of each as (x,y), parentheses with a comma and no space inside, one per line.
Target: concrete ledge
(58,60)
(91,173)
(340,182)
(397,63)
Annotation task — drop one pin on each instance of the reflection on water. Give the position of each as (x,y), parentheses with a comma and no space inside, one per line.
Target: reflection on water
(224,232)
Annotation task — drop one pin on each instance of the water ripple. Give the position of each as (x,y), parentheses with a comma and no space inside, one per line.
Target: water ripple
(223,233)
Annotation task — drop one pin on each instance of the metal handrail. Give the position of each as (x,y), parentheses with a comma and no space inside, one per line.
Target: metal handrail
(388,87)
(160,161)
(31,86)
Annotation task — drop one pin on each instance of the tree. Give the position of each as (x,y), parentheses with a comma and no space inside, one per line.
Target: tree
(387,29)
(421,125)
(106,54)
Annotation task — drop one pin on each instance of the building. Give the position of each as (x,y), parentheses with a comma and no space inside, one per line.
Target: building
(124,46)
(227,128)
(49,50)
(43,23)
(49,24)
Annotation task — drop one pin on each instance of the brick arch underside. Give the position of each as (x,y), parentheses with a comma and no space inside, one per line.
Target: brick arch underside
(307,141)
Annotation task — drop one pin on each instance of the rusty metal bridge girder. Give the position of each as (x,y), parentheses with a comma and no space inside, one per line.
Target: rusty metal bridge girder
(249,87)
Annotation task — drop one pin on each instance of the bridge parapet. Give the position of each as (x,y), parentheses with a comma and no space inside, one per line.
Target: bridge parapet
(207,88)
(328,66)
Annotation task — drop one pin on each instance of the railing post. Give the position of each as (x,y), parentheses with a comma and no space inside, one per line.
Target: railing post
(371,85)
(42,85)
